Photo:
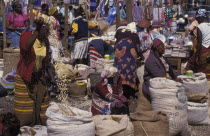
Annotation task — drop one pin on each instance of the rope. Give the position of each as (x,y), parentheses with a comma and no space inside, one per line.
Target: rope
(143,128)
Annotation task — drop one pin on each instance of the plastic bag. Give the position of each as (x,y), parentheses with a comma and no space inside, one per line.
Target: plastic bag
(112,15)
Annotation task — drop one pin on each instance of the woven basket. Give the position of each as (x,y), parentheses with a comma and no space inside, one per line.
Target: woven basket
(11,60)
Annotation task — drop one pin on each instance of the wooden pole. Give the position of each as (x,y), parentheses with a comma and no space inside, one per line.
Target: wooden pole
(31,14)
(118,15)
(66,27)
(4,30)
(129,10)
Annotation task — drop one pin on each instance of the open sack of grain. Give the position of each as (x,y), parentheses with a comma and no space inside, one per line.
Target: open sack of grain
(113,125)
(150,123)
(197,90)
(64,120)
(65,70)
(169,96)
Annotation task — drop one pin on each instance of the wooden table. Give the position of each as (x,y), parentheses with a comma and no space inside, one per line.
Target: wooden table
(176,62)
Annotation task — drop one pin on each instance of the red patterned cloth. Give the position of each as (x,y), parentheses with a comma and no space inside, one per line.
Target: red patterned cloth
(27,58)
(94,56)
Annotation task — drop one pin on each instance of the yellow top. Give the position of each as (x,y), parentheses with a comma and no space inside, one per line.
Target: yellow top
(40,51)
(74,28)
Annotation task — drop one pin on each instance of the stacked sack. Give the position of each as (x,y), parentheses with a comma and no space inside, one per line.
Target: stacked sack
(169,96)
(196,87)
(64,120)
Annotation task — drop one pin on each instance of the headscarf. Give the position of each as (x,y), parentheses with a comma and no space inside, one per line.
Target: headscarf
(52,10)
(160,39)
(130,27)
(201,13)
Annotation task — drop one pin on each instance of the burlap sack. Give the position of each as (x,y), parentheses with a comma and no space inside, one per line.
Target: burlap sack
(65,70)
(103,26)
(197,97)
(150,123)
(143,104)
(113,125)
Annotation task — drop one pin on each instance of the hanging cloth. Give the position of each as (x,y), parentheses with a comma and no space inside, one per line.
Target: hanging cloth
(122,13)
(158,17)
(112,15)
(148,13)
(37,2)
(169,12)
(137,13)
(93,5)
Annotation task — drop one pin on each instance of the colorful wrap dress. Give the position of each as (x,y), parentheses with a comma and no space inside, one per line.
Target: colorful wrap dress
(125,61)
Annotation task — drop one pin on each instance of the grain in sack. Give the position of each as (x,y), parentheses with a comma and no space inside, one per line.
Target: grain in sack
(113,125)
(64,120)
(169,96)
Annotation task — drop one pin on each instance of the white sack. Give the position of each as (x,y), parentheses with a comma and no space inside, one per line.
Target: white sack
(37,130)
(195,84)
(198,113)
(64,120)
(169,96)
(113,125)
(102,63)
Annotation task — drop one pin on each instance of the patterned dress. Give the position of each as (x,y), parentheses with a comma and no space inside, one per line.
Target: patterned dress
(125,61)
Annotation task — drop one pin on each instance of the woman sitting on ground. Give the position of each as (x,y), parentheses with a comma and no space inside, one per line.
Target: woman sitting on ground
(108,94)
(156,65)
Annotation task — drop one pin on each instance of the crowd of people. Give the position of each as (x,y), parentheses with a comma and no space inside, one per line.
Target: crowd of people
(119,82)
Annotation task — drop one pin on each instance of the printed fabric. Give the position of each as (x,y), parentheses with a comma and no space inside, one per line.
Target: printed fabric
(145,40)
(158,17)
(137,13)
(125,61)
(169,12)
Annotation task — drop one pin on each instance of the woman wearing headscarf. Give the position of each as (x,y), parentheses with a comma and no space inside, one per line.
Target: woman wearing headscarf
(126,56)
(156,65)
(108,94)
(200,61)
(31,95)
(17,23)
(80,31)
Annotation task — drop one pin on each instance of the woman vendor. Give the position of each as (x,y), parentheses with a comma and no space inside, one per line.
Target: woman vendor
(108,94)
(126,49)
(31,94)
(156,65)
(17,23)
(200,61)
